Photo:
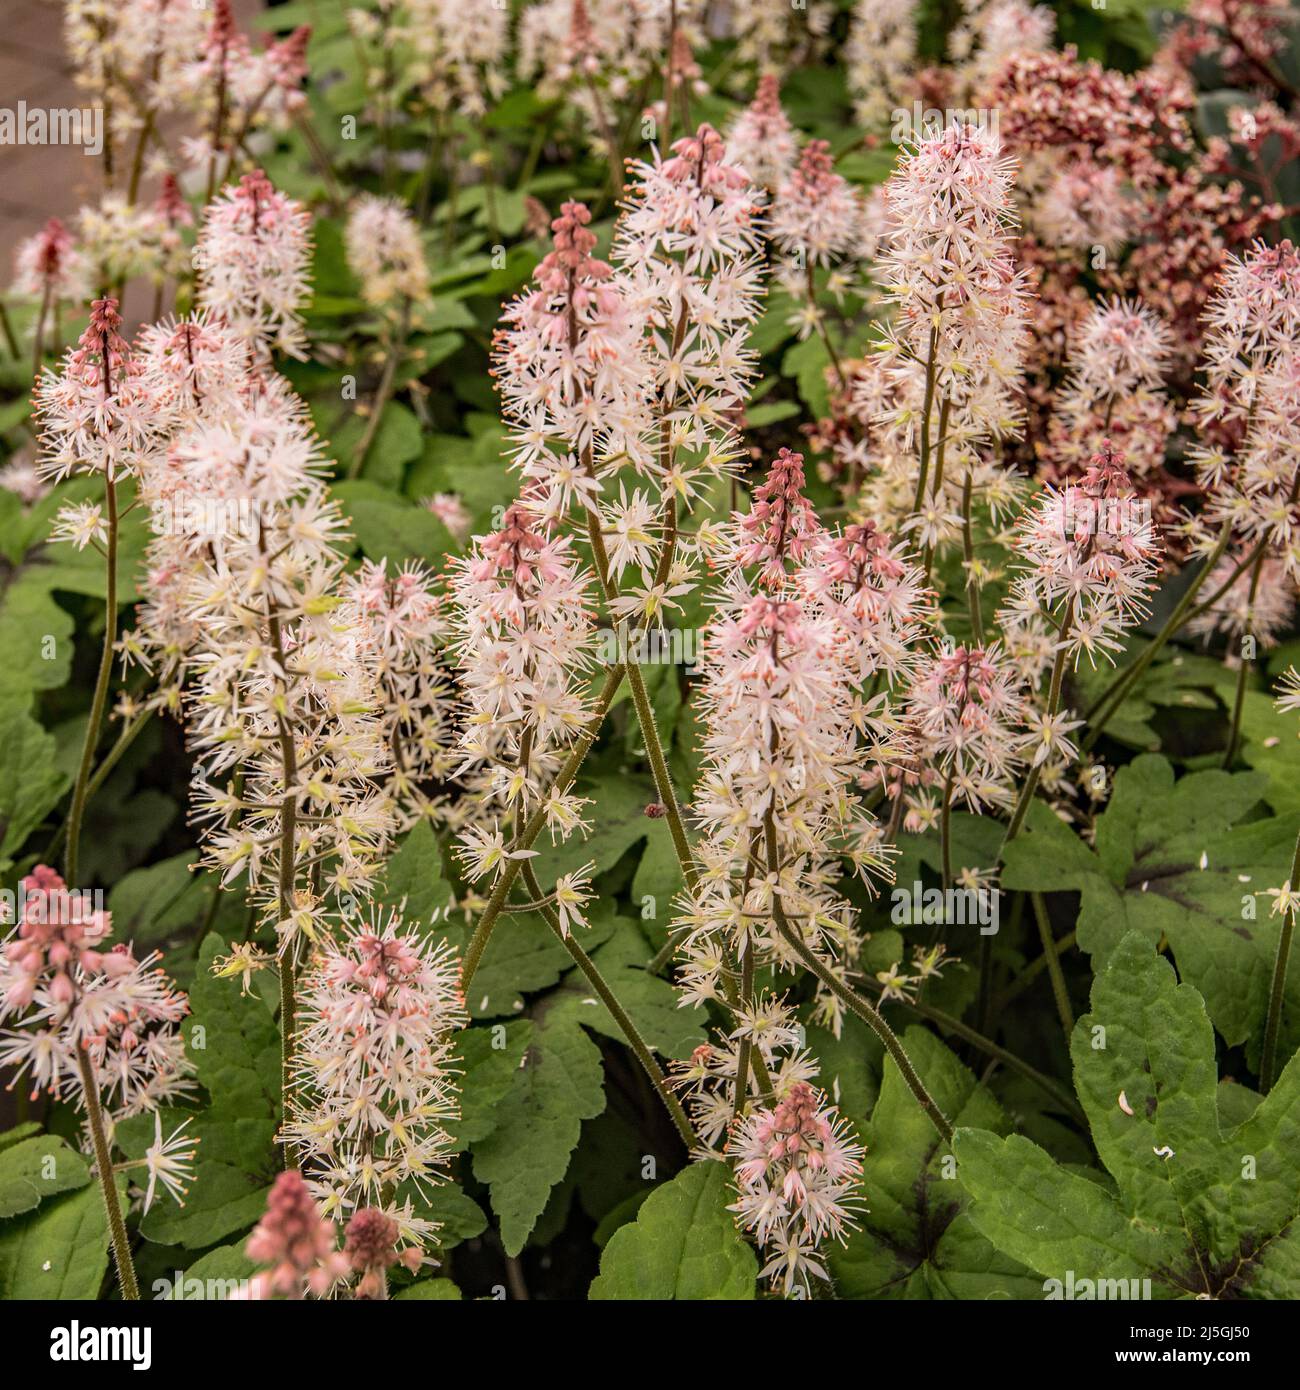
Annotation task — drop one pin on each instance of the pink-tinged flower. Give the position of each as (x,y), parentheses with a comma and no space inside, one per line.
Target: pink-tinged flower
(573,379)
(1252,322)
(1117,365)
(377,1011)
(686,252)
(524,642)
(452,512)
(798,1173)
(170,1162)
(761,139)
(49,264)
(298,1244)
(96,414)
(781,526)
(68,992)
(1081,206)
(1090,556)
(787,741)
(964,710)
(371,1247)
(816,215)
(253,256)
(959,308)
(1262,607)
(1121,347)
(401,627)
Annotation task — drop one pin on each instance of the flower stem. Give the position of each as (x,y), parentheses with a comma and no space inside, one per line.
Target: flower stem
(1272,1026)
(866,1011)
(644,713)
(945,828)
(1104,707)
(563,780)
(954,1025)
(384,391)
(1053,707)
(107,1183)
(926,408)
(111,759)
(1243,673)
(607,996)
(823,331)
(869,1014)
(968,554)
(1059,992)
(98,700)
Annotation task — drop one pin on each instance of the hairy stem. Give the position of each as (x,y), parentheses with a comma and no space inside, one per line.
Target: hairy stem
(99,699)
(1050,955)
(563,780)
(1268,1055)
(107,1181)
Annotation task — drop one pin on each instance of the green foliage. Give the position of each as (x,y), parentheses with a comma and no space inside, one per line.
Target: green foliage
(1199,1208)
(683,1244)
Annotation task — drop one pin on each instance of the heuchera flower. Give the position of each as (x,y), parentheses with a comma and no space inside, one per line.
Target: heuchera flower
(297,1242)
(68,991)
(817,213)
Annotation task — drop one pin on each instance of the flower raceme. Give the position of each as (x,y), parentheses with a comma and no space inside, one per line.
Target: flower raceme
(384,252)
(798,1172)
(66,992)
(571,373)
(253,254)
(761,139)
(374,1069)
(1089,553)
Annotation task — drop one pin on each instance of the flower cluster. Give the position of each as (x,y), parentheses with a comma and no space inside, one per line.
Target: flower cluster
(797,1169)
(86,1022)
(374,1068)
(253,253)
(384,252)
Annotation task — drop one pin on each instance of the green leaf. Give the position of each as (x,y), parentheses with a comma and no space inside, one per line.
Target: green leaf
(391,527)
(487,1059)
(1175,860)
(235,1046)
(682,1245)
(30,785)
(35,1169)
(217,1275)
(414,880)
(442,1289)
(1199,1209)
(916,1239)
(58,1251)
(538,1122)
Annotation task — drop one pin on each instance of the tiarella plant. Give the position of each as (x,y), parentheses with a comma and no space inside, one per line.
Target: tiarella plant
(650,651)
